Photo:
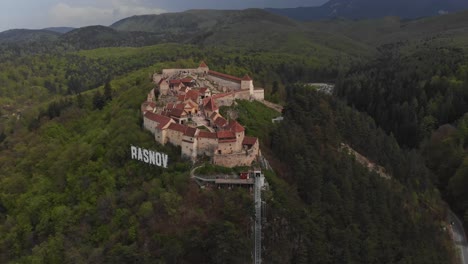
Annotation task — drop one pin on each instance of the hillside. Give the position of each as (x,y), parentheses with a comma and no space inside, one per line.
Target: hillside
(100,36)
(61,30)
(435,31)
(252,28)
(366,9)
(198,21)
(85,201)
(27,36)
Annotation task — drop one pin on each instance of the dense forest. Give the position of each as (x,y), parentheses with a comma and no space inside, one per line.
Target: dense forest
(350,215)
(421,98)
(69,110)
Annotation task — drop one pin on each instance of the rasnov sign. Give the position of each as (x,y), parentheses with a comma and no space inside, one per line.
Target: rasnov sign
(150,157)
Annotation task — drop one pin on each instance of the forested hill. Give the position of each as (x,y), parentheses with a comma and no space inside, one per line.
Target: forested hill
(61,30)
(365,9)
(250,28)
(16,36)
(85,201)
(200,20)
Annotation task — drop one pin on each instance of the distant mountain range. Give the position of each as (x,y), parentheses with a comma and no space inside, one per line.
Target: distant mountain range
(33,35)
(254,29)
(365,9)
(62,30)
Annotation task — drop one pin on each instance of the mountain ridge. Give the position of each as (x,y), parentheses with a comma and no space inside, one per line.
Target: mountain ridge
(366,9)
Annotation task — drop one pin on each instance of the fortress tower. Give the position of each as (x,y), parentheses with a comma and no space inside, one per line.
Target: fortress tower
(247,84)
(203,68)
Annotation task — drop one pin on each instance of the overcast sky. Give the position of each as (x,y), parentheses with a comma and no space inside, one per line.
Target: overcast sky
(74,13)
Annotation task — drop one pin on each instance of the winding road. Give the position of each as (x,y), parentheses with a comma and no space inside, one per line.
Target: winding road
(459,237)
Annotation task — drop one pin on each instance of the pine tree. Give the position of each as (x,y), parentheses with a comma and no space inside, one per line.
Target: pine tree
(107,92)
(98,100)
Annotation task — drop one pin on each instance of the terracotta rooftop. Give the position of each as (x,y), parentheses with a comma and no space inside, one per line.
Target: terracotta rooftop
(203,65)
(193,95)
(181,98)
(226,135)
(177,127)
(210,105)
(213,116)
(225,76)
(247,78)
(203,90)
(175,82)
(234,126)
(169,106)
(220,122)
(180,106)
(187,80)
(249,141)
(177,112)
(205,134)
(190,132)
(157,118)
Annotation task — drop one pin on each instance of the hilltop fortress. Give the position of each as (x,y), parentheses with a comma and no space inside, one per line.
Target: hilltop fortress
(183,109)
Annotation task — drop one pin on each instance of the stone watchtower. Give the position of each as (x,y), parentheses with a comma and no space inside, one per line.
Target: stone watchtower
(247,84)
(203,68)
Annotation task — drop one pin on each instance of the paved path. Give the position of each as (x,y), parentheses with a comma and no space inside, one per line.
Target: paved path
(459,237)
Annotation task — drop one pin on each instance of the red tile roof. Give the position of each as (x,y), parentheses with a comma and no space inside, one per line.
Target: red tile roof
(192,94)
(190,132)
(180,106)
(174,82)
(247,78)
(187,80)
(157,118)
(249,141)
(177,127)
(181,98)
(226,135)
(205,134)
(225,76)
(203,65)
(169,106)
(211,105)
(203,90)
(220,122)
(213,116)
(234,126)
(178,113)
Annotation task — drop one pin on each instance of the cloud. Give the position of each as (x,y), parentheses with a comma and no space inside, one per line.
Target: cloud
(106,13)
